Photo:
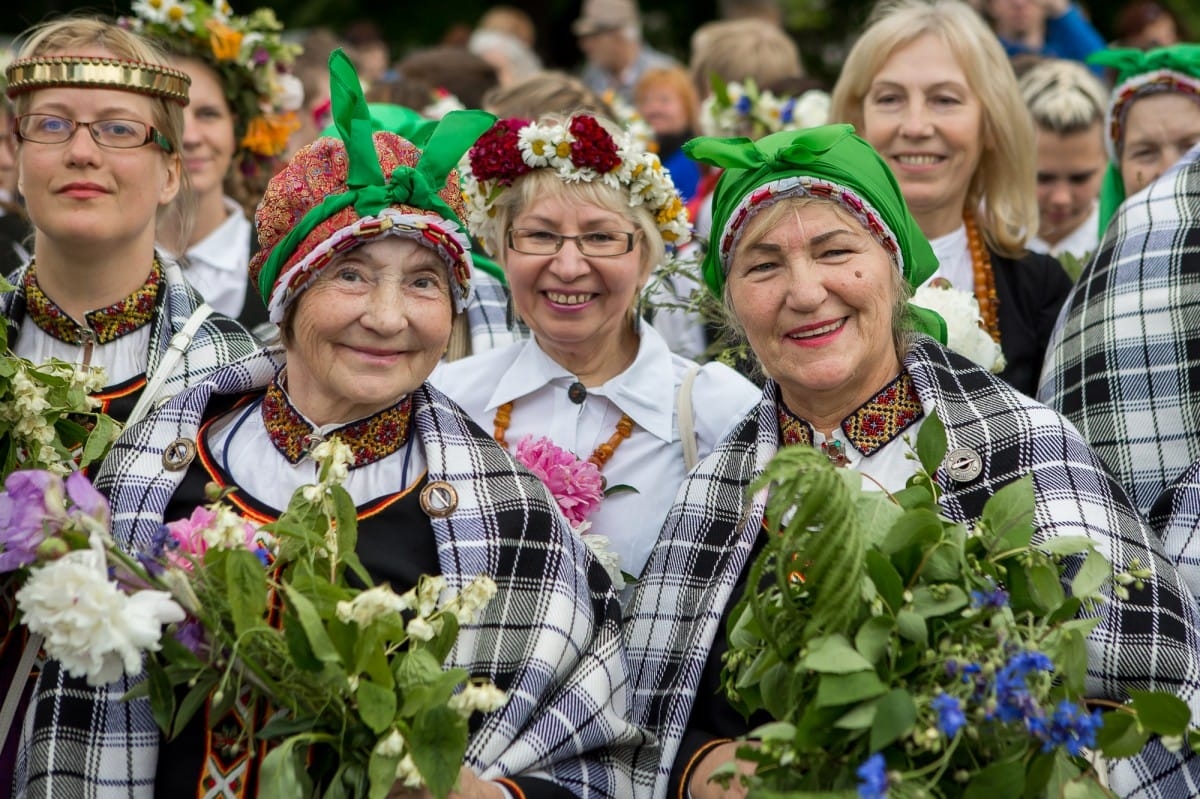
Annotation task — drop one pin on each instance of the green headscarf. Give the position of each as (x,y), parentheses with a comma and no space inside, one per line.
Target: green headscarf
(1139,73)
(367,191)
(831,154)
(411,125)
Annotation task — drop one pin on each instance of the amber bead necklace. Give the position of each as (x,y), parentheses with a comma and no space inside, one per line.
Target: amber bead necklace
(601,454)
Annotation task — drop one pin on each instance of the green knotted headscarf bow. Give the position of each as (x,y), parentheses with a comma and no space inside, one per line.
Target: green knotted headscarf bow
(1130,64)
(829,153)
(367,190)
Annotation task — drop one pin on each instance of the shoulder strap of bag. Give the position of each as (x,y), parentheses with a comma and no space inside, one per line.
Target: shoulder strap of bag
(687,423)
(12,697)
(179,345)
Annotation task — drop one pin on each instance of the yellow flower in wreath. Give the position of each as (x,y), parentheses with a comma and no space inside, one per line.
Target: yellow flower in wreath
(268,134)
(226,43)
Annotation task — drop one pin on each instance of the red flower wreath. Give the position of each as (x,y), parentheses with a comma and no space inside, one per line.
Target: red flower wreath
(496,156)
(593,146)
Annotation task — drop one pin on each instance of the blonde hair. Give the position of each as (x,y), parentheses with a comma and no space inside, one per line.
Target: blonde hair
(1063,96)
(1004,187)
(68,34)
(740,49)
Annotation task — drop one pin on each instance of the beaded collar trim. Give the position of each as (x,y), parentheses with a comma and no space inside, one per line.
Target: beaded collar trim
(41,72)
(103,325)
(371,439)
(877,423)
(770,193)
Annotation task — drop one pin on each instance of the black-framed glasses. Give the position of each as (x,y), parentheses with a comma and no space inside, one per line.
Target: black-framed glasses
(119,134)
(598,244)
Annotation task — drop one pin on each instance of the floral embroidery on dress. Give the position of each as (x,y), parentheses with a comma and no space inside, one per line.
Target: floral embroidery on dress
(105,324)
(878,422)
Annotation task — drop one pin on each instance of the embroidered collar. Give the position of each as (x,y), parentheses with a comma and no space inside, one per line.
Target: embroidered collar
(878,422)
(371,438)
(102,325)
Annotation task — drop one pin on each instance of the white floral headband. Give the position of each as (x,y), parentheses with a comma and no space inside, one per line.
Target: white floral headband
(579,150)
(735,109)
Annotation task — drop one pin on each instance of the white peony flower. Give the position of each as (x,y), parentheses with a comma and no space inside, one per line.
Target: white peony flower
(90,626)
(964,333)
(289,92)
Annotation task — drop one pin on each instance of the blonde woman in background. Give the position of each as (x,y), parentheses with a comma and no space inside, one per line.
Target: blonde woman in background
(929,86)
(1067,102)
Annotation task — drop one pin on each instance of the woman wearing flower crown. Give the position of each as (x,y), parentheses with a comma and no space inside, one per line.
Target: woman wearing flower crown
(236,128)
(579,215)
(99,120)
(815,255)
(929,86)
(364,265)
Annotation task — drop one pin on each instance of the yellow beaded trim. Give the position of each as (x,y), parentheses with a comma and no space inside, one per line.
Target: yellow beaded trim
(42,72)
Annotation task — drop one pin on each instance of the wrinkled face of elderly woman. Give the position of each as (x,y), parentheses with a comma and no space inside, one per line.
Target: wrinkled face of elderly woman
(816,295)
(369,330)
(1159,130)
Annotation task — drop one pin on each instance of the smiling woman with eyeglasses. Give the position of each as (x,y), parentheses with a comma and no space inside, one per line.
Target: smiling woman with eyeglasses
(579,215)
(96,291)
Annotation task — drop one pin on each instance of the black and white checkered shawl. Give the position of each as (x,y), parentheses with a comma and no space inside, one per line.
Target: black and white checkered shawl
(1149,642)
(219,340)
(1176,517)
(488,316)
(552,635)
(1124,361)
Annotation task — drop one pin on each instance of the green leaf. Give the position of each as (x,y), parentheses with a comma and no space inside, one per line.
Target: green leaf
(1045,589)
(438,743)
(834,655)
(860,718)
(912,627)
(162,694)
(929,602)
(846,689)
(376,705)
(895,715)
(1062,772)
(873,638)
(944,563)
(246,589)
(282,774)
(1161,713)
(99,440)
(886,578)
(1072,658)
(318,640)
(1008,515)
(931,443)
(381,771)
(1121,736)
(1094,573)
(1067,545)
(416,667)
(1003,780)
(195,699)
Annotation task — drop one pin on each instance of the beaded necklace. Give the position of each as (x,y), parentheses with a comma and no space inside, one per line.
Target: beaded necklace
(985,279)
(601,454)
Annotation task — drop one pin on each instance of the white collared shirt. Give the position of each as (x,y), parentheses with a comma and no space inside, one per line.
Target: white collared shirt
(954,259)
(123,358)
(650,460)
(218,265)
(1080,242)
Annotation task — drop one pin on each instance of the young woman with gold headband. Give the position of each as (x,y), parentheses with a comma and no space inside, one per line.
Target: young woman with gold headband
(98,128)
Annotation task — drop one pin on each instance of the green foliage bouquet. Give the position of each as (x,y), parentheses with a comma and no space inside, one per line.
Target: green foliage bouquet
(285,615)
(956,668)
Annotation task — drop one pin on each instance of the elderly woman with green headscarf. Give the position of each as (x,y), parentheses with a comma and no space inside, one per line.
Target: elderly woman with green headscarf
(813,253)
(1153,117)
(364,265)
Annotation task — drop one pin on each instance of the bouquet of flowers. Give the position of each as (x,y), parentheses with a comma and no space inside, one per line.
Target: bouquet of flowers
(965,333)
(47,418)
(285,615)
(958,672)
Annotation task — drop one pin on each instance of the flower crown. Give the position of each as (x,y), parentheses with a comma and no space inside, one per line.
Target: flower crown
(580,150)
(736,109)
(632,121)
(248,54)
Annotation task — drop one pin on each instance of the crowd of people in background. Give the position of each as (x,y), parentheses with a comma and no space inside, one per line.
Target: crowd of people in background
(667,266)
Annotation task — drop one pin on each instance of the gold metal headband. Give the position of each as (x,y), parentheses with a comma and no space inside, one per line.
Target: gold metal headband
(42,72)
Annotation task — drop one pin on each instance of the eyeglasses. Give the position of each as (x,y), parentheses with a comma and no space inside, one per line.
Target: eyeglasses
(119,134)
(601,244)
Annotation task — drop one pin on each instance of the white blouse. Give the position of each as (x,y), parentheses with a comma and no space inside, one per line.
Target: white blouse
(650,460)
(123,358)
(954,259)
(218,265)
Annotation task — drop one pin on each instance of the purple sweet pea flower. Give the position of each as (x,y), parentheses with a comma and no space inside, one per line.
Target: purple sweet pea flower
(31,500)
(86,498)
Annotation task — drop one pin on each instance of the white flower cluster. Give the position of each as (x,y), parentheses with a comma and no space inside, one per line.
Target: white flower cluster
(333,458)
(630,119)
(94,629)
(394,745)
(425,600)
(745,110)
(374,603)
(640,174)
(477,695)
(611,561)
(31,415)
(964,324)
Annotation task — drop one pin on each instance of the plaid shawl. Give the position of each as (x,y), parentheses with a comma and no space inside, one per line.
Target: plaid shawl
(219,340)
(1124,361)
(1176,517)
(1152,641)
(552,635)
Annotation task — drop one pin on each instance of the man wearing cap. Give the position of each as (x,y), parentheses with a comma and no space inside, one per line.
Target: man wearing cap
(610,35)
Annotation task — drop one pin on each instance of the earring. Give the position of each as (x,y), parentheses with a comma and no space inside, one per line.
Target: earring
(510,311)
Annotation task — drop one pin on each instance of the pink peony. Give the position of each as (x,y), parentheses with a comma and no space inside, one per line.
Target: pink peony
(192,537)
(575,484)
